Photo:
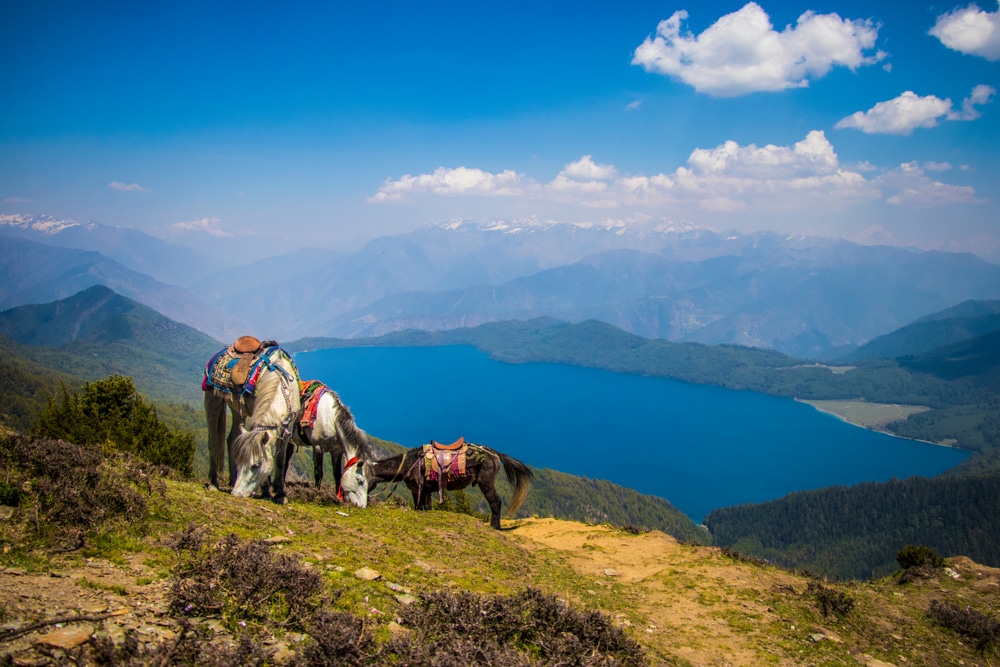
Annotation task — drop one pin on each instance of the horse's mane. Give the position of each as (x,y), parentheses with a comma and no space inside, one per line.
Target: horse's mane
(349,430)
(249,448)
(272,406)
(269,408)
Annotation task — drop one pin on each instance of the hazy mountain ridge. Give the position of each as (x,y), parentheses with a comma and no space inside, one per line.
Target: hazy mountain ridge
(810,297)
(132,248)
(805,302)
(35,273)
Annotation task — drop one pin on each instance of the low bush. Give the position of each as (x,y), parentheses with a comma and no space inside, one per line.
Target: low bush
(830,600)
(68,492)
(983,629)
(249,585)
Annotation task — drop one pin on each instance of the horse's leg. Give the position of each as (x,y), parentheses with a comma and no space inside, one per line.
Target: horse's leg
(486,485)
(318,464)
(235,429)
(215,415)
(281,458)
(337,460)
(289,453)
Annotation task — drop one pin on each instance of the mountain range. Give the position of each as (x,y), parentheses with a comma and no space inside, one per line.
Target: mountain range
(809,297)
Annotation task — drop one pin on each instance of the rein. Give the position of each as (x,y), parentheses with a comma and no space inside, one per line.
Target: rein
(402,462)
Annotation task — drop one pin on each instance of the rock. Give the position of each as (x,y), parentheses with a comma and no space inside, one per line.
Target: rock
(278,539)
(869,661)
(611,572)
(398,630)
(16,571)
(367,574)
(66,638)
(283,655)
(828,634)
(392,586)
(405,599)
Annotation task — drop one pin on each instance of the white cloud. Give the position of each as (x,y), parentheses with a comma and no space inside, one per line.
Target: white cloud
(910,111)
(981,94)
(742,53)
(127,187)
(722,178)
(208,226)
(458,181)
(632,106)
(802,177)
(585,169)
(971,31)
(913,187)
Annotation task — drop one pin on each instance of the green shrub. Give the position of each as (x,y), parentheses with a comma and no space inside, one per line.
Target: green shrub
(110,414)
(912,556)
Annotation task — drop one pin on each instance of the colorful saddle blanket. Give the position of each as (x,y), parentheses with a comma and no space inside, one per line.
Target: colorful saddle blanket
(444,464)
(237,373)
(310,391)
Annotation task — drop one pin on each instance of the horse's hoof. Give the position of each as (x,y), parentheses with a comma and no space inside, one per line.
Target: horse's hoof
(280,500)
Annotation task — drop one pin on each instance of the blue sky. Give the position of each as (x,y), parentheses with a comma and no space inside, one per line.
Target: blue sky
(331,124)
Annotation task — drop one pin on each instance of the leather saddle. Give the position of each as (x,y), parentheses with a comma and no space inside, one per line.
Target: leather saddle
(442,462)
(458,444)
(245,349)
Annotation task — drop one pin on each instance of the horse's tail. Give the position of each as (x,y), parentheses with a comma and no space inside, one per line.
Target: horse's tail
(520,475)
(354,439)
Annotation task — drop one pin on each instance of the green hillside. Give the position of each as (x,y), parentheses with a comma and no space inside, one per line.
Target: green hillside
(954,325)
(97,333)
(25,387)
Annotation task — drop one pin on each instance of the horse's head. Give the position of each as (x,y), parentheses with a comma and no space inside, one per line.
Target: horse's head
(253,460)
(354,482)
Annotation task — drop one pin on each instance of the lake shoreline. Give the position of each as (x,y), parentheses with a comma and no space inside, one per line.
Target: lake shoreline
(844,418)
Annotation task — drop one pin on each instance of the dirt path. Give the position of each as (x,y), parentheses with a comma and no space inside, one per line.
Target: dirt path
(690,597)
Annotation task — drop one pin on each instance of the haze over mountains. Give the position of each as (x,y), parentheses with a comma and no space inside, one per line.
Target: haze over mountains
(806,296)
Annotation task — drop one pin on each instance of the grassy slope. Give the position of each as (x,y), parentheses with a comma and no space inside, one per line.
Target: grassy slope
(687,604)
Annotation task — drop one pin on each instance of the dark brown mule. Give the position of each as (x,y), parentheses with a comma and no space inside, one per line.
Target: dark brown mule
(481,467)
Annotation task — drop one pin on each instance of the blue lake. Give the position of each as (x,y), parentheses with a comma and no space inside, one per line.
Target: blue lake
(699,447)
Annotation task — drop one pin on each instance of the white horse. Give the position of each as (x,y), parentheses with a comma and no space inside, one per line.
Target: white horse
(264,402)
(328,426)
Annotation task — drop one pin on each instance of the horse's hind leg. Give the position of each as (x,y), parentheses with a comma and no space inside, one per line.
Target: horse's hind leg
(215,415)
(235,429)
(493,498)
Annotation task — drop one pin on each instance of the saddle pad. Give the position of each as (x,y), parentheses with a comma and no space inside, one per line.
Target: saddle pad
(444,464)
(310,391)
(219,371)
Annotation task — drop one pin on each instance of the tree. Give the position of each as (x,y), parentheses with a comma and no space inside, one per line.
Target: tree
(110,414)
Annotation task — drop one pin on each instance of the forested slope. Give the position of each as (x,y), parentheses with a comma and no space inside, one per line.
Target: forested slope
(855,532)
